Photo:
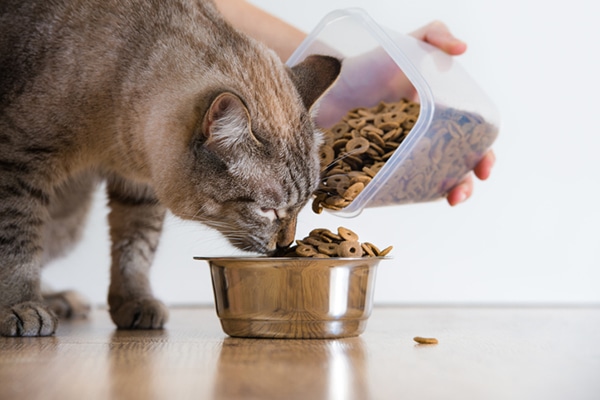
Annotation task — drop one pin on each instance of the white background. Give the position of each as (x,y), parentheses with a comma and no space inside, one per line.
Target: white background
(528,235)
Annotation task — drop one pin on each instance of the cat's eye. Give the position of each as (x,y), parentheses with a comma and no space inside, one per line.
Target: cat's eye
(243,199)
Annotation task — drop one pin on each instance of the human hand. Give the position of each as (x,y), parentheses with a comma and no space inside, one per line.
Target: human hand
(376,77)
(437,34)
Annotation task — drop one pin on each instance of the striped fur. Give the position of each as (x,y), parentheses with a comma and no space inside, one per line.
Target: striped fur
(170,105)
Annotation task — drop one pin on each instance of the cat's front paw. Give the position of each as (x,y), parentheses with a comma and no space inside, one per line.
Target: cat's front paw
(27,319)
(67,304)
(140,314)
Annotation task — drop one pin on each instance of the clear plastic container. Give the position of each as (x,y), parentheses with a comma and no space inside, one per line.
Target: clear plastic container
(456,125)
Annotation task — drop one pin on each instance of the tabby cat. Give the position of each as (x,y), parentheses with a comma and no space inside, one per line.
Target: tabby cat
(170,105)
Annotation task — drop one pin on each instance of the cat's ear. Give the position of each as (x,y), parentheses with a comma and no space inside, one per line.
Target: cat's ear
(226,123)
(314,76)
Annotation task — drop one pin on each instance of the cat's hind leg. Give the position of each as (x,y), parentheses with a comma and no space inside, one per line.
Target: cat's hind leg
(135,220)
(67,304)
(68,211)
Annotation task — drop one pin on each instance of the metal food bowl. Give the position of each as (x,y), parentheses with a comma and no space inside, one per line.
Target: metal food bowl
(297,298)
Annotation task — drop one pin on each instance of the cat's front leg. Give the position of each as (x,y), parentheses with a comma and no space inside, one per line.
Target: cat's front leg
(135,220)
(23,213)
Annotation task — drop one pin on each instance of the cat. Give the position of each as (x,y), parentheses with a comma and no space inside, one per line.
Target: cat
(169,105)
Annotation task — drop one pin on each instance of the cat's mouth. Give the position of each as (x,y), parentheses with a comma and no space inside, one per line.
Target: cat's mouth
(279,251)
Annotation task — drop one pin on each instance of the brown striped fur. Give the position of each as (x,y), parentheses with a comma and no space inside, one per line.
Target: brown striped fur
(174,109)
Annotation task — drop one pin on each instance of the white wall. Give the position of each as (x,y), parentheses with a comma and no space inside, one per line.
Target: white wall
(528,235)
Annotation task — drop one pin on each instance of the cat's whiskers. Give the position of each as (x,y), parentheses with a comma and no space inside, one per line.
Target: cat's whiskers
(209,241)
(238,238)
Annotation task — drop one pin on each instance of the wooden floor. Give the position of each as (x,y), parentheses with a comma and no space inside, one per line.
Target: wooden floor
(483,353)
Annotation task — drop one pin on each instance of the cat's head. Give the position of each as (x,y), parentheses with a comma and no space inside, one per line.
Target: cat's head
(253,159)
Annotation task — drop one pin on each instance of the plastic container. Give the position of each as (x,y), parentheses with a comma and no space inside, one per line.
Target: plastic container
(456,125)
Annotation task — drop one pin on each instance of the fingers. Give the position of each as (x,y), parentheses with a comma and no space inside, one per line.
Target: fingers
(484,168)
(461,192)
(437,34)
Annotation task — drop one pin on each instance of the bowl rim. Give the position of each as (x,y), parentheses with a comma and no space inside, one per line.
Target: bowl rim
(270,258)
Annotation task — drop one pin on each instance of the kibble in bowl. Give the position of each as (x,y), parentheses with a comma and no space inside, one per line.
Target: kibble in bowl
(412,147)
(323,243)
(298,296)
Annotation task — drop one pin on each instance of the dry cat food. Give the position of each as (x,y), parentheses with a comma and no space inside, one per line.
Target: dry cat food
(322,242)
(424,340)
(357,147)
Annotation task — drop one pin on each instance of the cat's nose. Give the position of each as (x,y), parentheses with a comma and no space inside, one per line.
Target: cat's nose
(286,235)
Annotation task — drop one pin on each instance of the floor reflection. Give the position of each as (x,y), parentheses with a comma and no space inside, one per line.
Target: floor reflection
(134,359)
(291,369)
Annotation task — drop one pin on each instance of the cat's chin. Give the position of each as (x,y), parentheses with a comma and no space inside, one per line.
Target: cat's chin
(254,248)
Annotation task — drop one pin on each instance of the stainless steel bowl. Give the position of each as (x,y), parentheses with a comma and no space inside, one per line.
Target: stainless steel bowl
(293,297)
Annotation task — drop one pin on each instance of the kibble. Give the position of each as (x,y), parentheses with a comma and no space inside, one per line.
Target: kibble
(358,147)
(424,340)
(324,243)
